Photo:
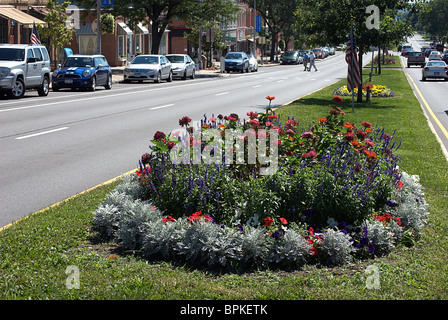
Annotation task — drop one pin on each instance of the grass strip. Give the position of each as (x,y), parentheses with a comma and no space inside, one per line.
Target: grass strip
(35,253)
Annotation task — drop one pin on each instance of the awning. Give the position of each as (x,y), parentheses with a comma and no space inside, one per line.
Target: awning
(125,27)
(142,28)
(20,17)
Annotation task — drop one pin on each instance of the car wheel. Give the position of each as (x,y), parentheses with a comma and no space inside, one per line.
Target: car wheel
(108,86)
(44,88)
(193,74)
(423,79)
(18,90)
(159,78)
(55,88)
(92,84)
(170,77)
(184,77)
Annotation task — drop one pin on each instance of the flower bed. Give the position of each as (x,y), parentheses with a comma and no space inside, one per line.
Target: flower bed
(375,91)
(337,194)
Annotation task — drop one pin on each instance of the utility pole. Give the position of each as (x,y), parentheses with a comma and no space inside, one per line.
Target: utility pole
(98,27)
(255,28)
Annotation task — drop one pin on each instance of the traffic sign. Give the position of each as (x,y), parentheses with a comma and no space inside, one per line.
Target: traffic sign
(107,3)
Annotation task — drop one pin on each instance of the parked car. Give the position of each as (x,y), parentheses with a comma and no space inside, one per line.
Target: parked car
(318,53)
(24,67)
(291,57)
(326,52)
(332,51)
(435,55)
(182,66)
(445,57)
(416,58)
(435,69)
(148,67)
(236,61)
(253,63)
(84,72)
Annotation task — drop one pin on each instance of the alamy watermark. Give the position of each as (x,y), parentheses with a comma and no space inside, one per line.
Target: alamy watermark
(72,281)
(231,146)
(373,21)
(373,277)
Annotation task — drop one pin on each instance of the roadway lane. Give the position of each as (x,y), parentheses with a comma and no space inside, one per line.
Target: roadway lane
(57,146)
(432,94)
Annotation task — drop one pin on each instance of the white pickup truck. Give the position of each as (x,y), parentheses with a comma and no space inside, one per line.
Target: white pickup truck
(24,67)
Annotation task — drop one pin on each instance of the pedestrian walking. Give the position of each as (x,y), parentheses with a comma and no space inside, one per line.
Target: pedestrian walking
(305,61)
(312,61)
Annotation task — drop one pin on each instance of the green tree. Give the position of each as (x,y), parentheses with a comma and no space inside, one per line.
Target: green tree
(434,19)
(278,15)
(56,31)
(160,13)
(331,21)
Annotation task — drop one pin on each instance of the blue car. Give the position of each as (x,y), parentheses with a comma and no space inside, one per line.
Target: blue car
(84,72)
(236,61)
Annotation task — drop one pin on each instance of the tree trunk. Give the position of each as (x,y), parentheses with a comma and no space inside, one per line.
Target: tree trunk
(360,54)
(155,44)
(379,59)
(273,42)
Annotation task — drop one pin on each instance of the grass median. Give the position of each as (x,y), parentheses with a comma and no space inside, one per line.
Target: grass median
(35,253)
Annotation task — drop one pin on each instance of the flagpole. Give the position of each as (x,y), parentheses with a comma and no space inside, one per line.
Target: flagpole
(351,64)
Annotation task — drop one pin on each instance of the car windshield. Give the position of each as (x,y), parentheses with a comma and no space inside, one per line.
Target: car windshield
(436,64)
(145,60)
(416,54)
(86,62)
(234,56)
(12,54)
(290,53)
(176,59)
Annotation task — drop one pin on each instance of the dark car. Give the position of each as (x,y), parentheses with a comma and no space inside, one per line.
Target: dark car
(84,72)
(445,57)
(236,61)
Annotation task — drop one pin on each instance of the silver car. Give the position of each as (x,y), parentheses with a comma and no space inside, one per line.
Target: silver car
(435,69)
(148,67)
(182,66)
(253,63)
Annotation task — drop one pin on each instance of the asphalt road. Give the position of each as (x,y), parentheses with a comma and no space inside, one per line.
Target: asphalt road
(432,94)
(57,146)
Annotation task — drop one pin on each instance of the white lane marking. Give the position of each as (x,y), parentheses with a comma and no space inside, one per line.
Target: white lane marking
(41,133)
(280,81)
(257,86)
(221,94)
(160,107)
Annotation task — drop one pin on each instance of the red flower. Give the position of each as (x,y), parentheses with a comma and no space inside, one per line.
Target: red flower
(158,136)
(252,114)
(283,221)
(307,135)
(171,145)
(361,135)
(272,116)
(349,136)
(322,120)
(270,98)
(268,221)
(230,118)
(400,185)
(168,219)
(366,124)
(338,100)
(184,121)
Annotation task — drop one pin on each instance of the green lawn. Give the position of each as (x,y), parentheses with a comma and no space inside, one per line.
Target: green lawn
(35,253)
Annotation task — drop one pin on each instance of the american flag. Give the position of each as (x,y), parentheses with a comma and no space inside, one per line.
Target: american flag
(354,76)
(35,39)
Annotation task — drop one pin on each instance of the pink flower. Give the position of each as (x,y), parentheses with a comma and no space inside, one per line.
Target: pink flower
(307,135)
(349,136)
(272,116)
(254,122)
(252,114)
(366,124)
(213,119)
(268,123)
(283,221)
(230,118)
(370,143)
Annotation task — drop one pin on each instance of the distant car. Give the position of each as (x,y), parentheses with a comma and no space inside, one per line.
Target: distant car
(406,52)
(291,57)
(445,57)
(427,52)
(253,63)
(332,51)
(148,67)
(435,55)
(439,47)
(236,61)
(182,66)
(318,52)
(435,69)
(84,72)
(406,48)
(326,51)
